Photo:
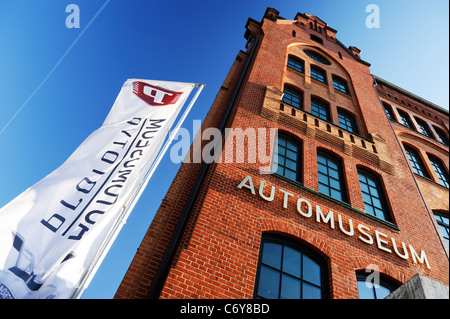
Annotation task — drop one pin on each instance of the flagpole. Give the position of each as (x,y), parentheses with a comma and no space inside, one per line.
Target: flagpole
(126,210)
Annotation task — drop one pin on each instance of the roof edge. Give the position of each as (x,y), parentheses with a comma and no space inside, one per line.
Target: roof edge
(411,95)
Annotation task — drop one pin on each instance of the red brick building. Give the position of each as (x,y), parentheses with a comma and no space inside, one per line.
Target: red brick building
(360,181)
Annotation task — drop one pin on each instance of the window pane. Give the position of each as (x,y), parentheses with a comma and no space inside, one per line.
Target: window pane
(292,262)
(311,271)
(311,292)
(335,184)
(364,292)
(291,164)
(321,168)
(290,288)
(382,292)
(335,194)
(269,282)
(291,155)
(290,174)
(272,255)
(324,189)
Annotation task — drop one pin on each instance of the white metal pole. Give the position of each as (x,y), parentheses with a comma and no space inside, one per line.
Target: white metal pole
(126,210)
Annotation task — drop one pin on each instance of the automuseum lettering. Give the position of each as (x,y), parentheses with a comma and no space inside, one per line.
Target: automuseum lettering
(305,209)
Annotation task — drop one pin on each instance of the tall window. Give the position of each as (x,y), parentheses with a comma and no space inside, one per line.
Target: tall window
(442,220)
(287,157)
(405,119)
(331,181)
(424,128)
(287,270)
(389,112)
(318,74)
(442,136)
(373,195)
(440,170)
(320,109)
(293,97)
(340,84)
(296,64)
(347,121)
(368,289)
(416,162)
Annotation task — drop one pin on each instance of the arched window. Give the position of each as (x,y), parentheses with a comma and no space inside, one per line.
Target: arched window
(340,84)
(373,195)
(442,220)
(424,128)
(368,288)
(440,170)
(320,109)
(287,157)
(442,136)
(347,121)
(405,119)
(416,162)
(389,112)
(293,97)
(330,175)
(296,64)
(288,270)
(318,74)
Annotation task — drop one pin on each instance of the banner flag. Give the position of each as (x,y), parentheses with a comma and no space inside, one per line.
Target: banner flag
(51,232)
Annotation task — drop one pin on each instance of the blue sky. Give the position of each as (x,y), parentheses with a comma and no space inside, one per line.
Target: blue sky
(174,40)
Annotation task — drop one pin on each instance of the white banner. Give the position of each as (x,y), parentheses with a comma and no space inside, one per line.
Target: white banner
(50,233)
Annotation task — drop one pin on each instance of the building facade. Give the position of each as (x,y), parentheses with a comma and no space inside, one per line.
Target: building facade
(358,188)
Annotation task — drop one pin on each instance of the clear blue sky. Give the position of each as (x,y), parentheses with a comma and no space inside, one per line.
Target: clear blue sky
(174,40)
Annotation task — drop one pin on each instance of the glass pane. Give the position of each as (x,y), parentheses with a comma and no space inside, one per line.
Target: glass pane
(323,179)
(367,198)
(322,168)
(365,292)
(281,142)
(362,178)
(280,170)
(311,271)
(321,159)
(291,164)
(382,292)
(290,288)
(373,191)
(379,213)
(291,146)
(290,174)
(333,173)
(311,292)
(292,261)
(364,187)
(291,155)
(369,209)
(324,189)
(371,182)
(376,202)
(335,184)
(272,255)
(332,165)
(335,194)
(269,283)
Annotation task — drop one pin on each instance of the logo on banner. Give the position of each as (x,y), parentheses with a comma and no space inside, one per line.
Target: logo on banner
(155,95)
